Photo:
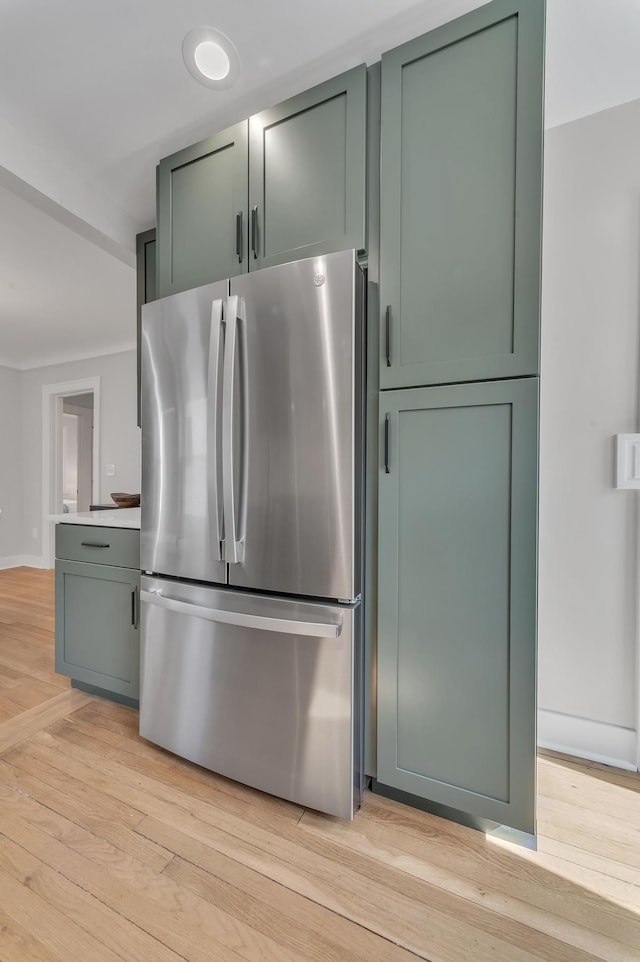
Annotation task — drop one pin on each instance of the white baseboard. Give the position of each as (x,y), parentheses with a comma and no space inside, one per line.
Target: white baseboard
(22,561)
(585,738)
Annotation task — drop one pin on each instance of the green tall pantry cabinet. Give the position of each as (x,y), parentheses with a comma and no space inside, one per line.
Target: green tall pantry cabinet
(460,231)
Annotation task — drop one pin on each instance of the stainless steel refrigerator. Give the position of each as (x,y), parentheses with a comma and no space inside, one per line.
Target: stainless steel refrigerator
(252,475)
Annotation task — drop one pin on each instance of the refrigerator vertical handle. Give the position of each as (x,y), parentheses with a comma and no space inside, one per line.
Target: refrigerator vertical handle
(232,548)
(212,422)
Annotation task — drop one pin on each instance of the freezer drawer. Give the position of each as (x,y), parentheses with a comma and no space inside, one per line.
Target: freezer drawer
(259,689)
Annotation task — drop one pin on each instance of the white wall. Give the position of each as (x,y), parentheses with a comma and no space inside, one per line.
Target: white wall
(588,627)
(119,435)
(11,529)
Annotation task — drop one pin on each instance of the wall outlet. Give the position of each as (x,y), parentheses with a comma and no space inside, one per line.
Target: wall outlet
(111,470)
(34,532)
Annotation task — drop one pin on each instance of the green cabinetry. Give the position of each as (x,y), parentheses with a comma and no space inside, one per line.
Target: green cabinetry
(457,596)
(307,173)
(460,230)
(97,607)
(288,183)
(202,212)
(461,192)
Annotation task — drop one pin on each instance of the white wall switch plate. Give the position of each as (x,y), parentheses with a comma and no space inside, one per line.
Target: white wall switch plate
(627,461)
(111,470)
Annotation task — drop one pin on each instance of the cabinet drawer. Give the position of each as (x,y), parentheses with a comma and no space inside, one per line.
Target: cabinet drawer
(118,547)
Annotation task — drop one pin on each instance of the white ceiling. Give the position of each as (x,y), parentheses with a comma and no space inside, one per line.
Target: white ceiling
(92,95)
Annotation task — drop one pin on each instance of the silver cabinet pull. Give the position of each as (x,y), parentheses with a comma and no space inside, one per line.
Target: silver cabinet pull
(244,620)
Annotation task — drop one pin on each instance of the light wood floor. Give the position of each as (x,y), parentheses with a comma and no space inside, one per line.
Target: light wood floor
(111,849)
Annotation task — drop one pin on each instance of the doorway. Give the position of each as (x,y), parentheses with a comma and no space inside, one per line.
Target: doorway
(70,457)
(77,452)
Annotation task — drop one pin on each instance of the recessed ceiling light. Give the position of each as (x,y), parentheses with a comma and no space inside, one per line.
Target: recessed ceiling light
(210,57)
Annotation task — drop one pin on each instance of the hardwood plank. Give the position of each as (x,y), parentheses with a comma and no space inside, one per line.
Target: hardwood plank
(223,873)
(17,944)
(97,813)
(450,845)
(29,722)
(109,927)
(579,788)
(175,916)
(593,832)
(495,879)
(57,932)
(606,773)
(165,780)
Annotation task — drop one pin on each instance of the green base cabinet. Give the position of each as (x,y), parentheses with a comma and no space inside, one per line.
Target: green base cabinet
(97,609)
(457,597)
(461,199)
(288,183)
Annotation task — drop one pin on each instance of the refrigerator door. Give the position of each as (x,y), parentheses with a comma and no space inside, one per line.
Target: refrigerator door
(181,399)
(293,455)
(258,689)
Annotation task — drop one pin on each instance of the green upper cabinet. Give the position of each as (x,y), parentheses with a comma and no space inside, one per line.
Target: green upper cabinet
(461,199)
(202,212)
(307,173)
(293,188)
(456,667)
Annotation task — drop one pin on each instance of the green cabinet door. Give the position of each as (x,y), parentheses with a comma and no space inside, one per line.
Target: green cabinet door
(457,597)
(202,212)
(461,198)
(97,616)
(146,284)
(307,173)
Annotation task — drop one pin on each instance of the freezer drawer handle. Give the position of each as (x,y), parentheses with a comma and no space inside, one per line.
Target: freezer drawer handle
(281,625)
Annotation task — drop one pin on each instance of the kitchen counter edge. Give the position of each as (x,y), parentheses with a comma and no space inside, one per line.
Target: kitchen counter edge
(116,518)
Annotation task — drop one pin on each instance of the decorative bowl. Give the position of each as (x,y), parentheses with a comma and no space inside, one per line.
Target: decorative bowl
(124,500)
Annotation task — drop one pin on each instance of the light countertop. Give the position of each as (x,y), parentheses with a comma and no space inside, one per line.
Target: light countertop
(116,518)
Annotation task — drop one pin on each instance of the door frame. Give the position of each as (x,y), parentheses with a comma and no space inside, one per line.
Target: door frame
(52,395)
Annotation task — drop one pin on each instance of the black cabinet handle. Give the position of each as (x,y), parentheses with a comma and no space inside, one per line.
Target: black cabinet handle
(386,445)
(254,231)
(134,607)
(387,334)
(239,236)
(94,544)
